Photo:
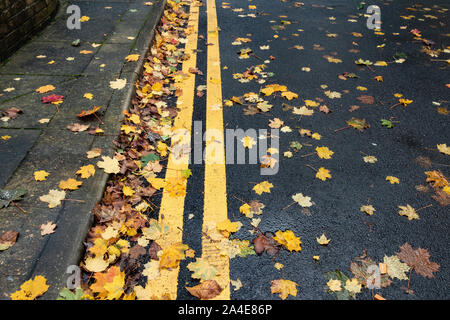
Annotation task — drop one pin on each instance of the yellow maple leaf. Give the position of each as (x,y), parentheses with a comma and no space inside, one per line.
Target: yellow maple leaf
(392,179)
(88,95)
(69,184)
(109,165)
(115,287)
(157,86)
(245,210)
(41,175)
(95,264)
(353,285)
(380,63)
(31,289)
(118,84)
(316,136)
(171,256)
(135,119)
(289,95)
(127,191)
(127,129)
(288,239)
(248,142)
(227,227)
(409,212)
(322,240)
(284,288)
(162,148)
(84,19)
(45,89)
(132,57)
(323,174)
(324,152)
(311,103)
(157,183)
(443,148)
(334,285)
(263,187)
(86,171)
(53,198)
(369,209)
(370,159)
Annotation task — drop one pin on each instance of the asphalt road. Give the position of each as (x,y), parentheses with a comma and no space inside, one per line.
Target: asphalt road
(418,128)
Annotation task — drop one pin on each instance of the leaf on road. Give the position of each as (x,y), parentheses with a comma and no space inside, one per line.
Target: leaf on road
(205,290)
(284,288)
(418,260)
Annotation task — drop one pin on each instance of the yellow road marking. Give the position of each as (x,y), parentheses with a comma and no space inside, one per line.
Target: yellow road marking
(172,208)
(215,206)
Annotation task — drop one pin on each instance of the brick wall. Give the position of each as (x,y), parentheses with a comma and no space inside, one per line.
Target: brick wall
(20,20)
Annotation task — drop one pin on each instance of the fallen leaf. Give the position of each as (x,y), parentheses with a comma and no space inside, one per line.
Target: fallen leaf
(284,288)
(205,290)
(53,198)
(47,228)
(31,289)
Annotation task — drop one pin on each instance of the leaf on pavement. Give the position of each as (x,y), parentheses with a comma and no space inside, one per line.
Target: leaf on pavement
(69,184)
(8,196)
(53,198)
(8,239)
(31,289)
(47,228)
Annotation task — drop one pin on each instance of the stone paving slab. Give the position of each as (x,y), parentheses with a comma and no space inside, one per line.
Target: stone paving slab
(29,101)
(51,146)
(14,150)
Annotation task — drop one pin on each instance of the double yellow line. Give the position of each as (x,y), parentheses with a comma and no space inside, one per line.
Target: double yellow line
(215,201)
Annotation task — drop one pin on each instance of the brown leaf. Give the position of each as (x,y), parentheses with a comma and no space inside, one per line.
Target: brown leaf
(206,290)
(324,109)
(419,260)
(353,108)
(8,239)
(12,112)
(265,242)
(136,251)
(442,197)
(423,161)
(251,111)
(78,127)
(366,99)
(153,250)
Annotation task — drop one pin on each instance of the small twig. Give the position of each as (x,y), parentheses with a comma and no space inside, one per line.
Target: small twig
(238,199)
(395,105)
(309,166)
(288,206)
(430,205)
(18,207)
(307,155)
(98,118)
(347,127)
(74,200)
(409,279)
